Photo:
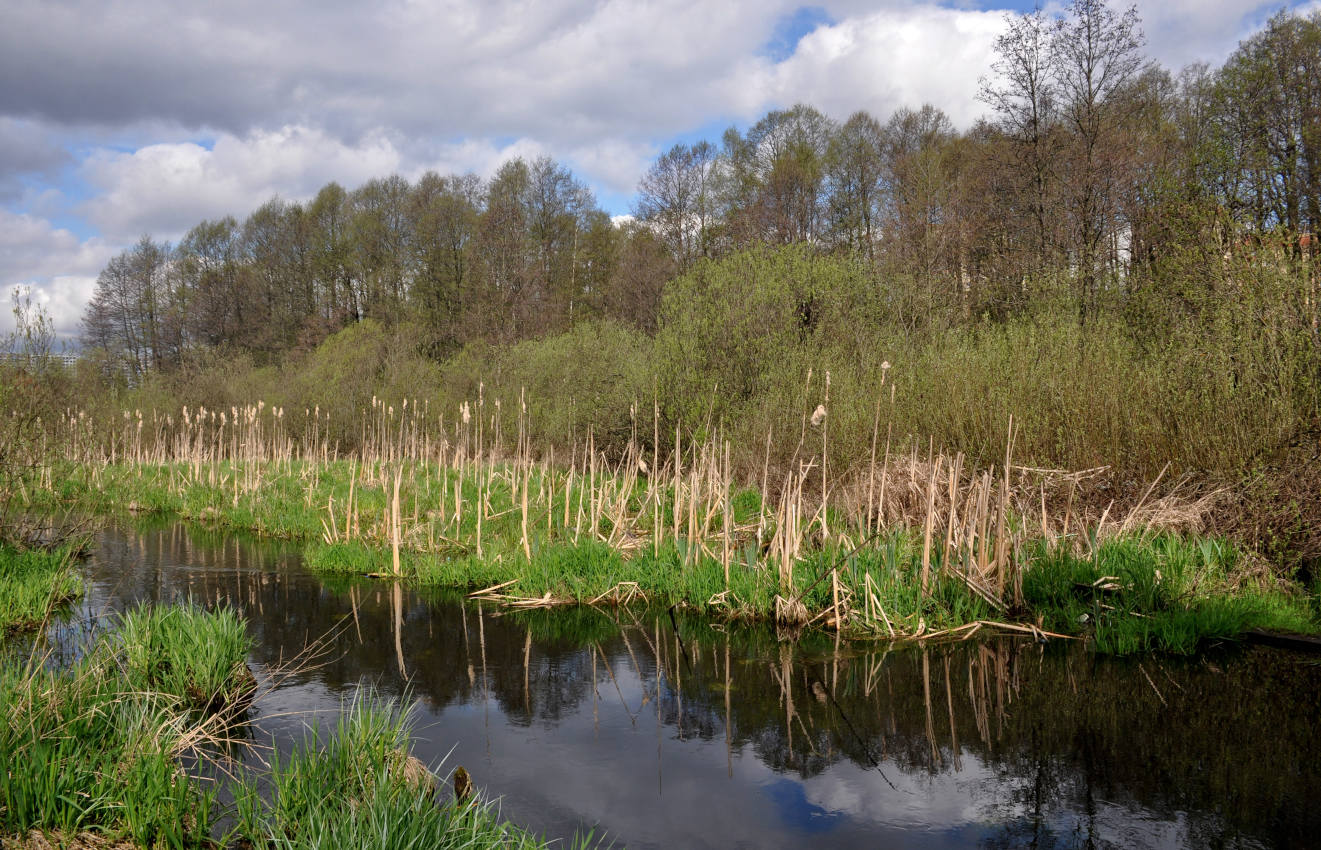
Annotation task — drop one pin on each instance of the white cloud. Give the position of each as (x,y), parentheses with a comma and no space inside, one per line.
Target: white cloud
(1182,31)
(880,62)
(165,189)
(613,164)
(54,265)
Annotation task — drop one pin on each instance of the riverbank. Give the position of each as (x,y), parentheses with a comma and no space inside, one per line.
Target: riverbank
(526,533)
(36,582)
(93,753)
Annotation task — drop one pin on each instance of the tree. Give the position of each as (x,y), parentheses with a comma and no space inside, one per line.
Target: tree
(559,208)
(1024,96)
(208,271)
(675,198)
(127,315)
(505,252)
(922,177)
(443,215)
(1097,56)
(330,257)
(1270,116)
(856,181)
(379,236)
(776,175)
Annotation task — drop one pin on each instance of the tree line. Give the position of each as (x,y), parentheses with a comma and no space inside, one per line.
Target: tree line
(1099,185)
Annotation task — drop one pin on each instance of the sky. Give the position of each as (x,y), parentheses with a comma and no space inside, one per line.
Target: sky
(120,118)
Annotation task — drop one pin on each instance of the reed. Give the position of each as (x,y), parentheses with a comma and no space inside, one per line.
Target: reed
(490,509)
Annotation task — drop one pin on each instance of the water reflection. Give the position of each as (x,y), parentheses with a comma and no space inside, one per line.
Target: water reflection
(670,731)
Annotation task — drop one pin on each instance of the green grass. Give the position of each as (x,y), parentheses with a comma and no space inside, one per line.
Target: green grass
(186,652)
(97,748)
(1163,592)
(32,583)
(83,751)
(358,787)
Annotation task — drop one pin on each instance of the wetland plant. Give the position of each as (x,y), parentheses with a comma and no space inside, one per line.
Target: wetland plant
(35,582)
(184,651)
(357,786)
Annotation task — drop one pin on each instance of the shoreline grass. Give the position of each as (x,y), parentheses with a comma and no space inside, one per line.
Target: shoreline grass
(1163,593)
(357,786)
(529,533)
(186,652)
(35,582)
(94,748)
(93,753)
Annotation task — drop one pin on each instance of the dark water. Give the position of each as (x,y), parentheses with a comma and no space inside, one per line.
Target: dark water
(714,737)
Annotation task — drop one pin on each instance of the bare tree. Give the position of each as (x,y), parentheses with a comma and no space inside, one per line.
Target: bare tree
(675,198)
(1097,56)
(1024,96)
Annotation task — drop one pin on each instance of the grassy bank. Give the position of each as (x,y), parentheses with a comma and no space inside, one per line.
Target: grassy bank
(356,786)
(1162,592)
(96,747)
(35,582)
(93,754)
(906,550)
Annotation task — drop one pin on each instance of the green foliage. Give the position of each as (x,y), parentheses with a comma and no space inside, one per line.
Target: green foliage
(186,652)
(32,583)
(358,787)
(1164,592)
(591,375)
(736,330)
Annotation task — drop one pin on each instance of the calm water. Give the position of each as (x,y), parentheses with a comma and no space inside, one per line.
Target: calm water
(726,737)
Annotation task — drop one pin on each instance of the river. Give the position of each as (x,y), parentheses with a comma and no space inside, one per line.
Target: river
(661,731)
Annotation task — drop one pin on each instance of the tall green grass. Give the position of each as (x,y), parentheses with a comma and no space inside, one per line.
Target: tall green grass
(33,582)
(1165,592)
(356,786)
(81,750)
(186,652)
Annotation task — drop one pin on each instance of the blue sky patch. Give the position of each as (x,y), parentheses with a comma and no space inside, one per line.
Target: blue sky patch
(790,29)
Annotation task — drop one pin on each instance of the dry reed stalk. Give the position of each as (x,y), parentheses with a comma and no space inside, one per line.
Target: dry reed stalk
(527,475)
(693,495)
(765,470)
(955,473)
(927,528)
(871,463)
(480,511)
(591,481)
(825,484)
(984,510)
(725,547)
(885,476)
(1002,517)
(1123,526)
(834,585)
(678,481)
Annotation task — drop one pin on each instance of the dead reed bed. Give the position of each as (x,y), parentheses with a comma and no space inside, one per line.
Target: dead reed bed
(861,547)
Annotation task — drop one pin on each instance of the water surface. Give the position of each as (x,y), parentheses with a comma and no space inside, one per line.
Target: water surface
(710,736)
